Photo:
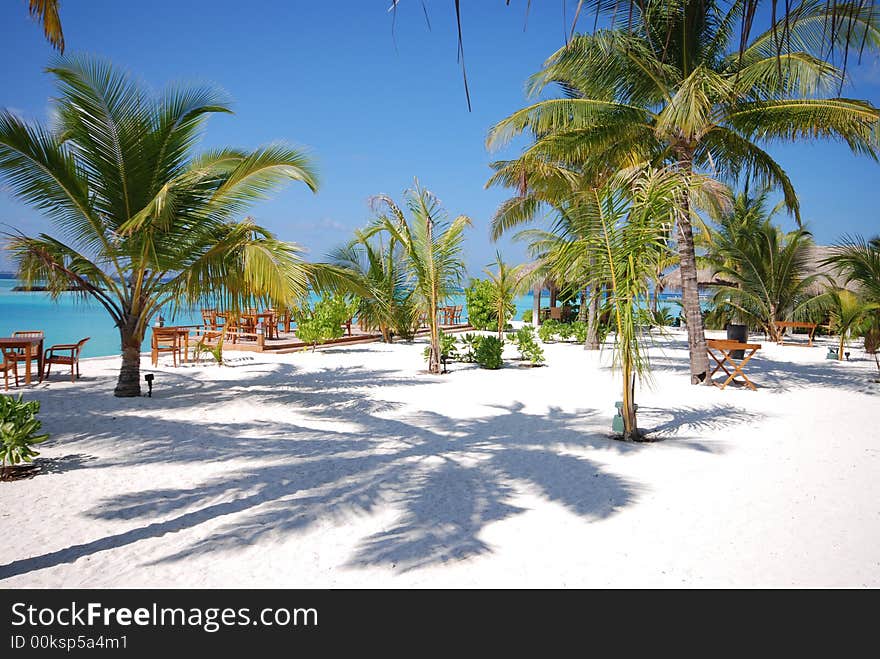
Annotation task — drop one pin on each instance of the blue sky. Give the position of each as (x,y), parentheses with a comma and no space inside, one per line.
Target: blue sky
(374,111)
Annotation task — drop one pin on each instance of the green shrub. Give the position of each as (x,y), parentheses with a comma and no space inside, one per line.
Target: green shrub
(564,331)
(324,322)
(548,330)
(526,316)
(527,345)
(579,331)
(447,348)
(488,352)
(470,342)
(478,299)
(18,430)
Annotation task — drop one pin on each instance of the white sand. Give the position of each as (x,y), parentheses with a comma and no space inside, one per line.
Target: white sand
(352,468)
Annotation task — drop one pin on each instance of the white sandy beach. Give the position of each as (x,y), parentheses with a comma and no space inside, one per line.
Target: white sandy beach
(351,467)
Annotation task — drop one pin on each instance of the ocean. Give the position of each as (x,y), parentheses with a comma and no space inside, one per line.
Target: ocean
(71,318)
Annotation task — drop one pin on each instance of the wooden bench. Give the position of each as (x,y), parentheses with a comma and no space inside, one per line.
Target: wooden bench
(725,347)
(782,325)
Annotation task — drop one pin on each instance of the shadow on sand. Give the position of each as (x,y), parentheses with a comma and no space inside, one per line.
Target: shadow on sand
(342,453)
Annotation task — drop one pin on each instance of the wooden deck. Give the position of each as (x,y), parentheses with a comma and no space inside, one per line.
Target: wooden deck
(288,342)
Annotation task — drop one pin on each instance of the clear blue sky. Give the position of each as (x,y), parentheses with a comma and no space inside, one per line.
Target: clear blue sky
(373,110)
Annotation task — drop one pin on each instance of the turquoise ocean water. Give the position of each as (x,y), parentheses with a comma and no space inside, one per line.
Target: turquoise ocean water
(72,318)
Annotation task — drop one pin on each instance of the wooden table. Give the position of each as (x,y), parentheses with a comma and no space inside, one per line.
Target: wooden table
(262,319)
(791,324)
(29,345)
(725,347)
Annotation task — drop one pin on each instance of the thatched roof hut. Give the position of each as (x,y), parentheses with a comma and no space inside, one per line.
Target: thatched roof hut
(707,276)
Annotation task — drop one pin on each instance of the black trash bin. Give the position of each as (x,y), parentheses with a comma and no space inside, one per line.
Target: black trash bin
(738,333)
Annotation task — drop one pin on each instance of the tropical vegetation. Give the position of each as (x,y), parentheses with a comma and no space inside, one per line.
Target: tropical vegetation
(432,248)
(144,221)
(674,87)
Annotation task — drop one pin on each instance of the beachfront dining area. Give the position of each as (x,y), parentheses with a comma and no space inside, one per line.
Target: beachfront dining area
(25,348)
(265,330)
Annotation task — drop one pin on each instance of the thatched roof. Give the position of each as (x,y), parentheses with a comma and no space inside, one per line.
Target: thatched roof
(816,255)
(705,277)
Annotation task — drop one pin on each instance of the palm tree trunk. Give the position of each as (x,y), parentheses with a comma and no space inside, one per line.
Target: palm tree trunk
(690,296)
(628,412)
(536,305)
(592,342)
(434,357)
(582,310)
(129,383)
(840,349)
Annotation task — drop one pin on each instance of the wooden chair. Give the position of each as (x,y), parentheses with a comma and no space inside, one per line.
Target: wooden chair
(456,314)
(70,357)
(556,313)
(10,363)
(165,339)
(209,319)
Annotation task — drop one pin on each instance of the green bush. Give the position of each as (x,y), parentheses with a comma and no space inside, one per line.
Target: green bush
(448,350)
(324,322)
(526,316)
(579,331)
(478,299)
(548,330)
(528,347)
(488,352)
(470,342)
(18,430)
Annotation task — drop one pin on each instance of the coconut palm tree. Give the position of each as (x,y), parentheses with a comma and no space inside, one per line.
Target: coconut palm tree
(378,266)
(634,214)
(143,221)
(507,283)
(859,261)
(673,86)
(562,251)
(848,313)
(433,248)
(767,274)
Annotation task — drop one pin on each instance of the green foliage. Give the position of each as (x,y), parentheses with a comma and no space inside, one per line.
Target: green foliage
(470,342)
(527,345)
(579,331)
(548,330)
(18,430)
(479,296)
(432,249)
(448,350)
(377,265)
(117,174)
(324,322)
(662,317)
(488,352)
(526,316)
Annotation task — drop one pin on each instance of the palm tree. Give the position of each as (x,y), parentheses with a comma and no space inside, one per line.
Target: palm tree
(634,214)
(46,13)
(433,247)
(673,87)
(562,251)
(507,282)
(848,313)
(379,269)
(767,274)
(859,261)
(145,222)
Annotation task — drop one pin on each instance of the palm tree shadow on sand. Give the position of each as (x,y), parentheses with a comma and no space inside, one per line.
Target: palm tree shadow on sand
(446,478)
